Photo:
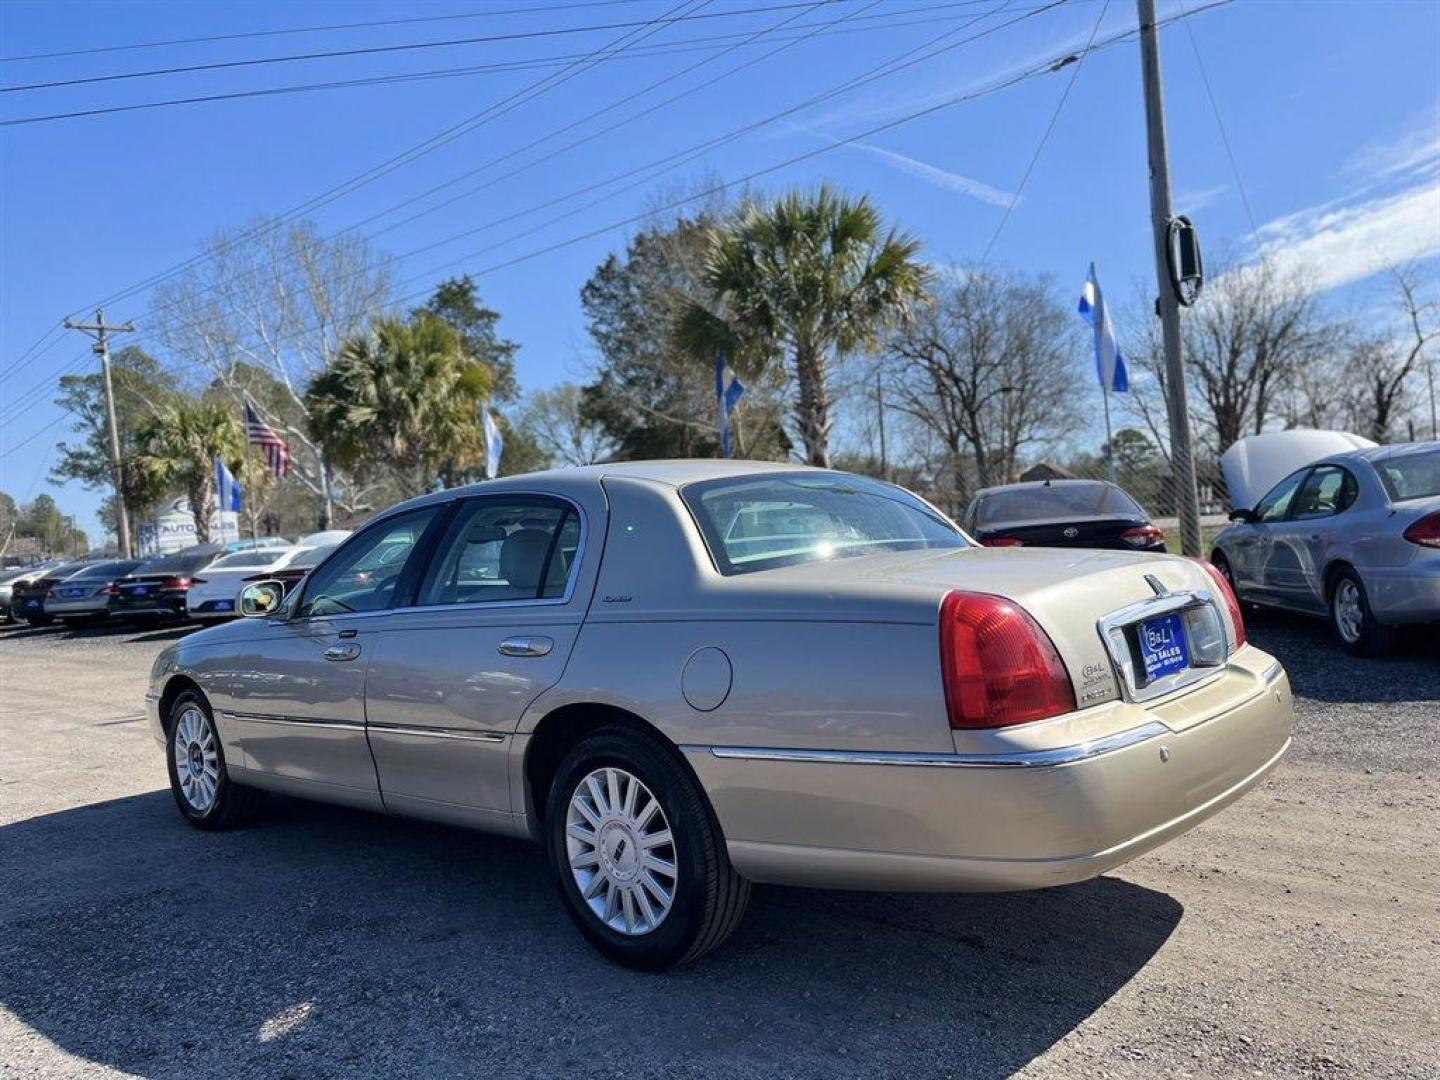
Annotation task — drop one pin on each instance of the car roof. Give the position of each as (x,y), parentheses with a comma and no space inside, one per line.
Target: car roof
(673,473)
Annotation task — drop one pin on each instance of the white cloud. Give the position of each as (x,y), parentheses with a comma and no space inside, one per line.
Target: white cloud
(1414,154)
(1188,202)
(1330,246)
(932,174)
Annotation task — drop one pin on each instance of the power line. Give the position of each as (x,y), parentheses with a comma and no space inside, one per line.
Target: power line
(687,45)
(886,69)
(534,9)
(372,50)
(1219,123)
(1078,62)
(405,157)
(869,76)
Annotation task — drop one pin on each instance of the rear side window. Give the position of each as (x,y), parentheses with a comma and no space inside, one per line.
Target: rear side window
(760,522)
(504,548)
(1057,501)
(1411,476)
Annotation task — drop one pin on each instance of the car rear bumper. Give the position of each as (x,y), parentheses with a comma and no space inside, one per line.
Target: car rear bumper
(160,605)
(85,605)
(212,609)
(1022,820)
(1405,594)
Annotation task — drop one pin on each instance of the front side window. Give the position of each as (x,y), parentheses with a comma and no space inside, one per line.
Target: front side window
(364,574)
(1327,491)
(504,549)
(760,522)
(1274,506)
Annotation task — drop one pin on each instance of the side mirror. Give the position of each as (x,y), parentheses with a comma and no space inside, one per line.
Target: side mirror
(260,600)
(1246,516)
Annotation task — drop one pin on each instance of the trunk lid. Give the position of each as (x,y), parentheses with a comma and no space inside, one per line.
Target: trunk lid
(1068,592)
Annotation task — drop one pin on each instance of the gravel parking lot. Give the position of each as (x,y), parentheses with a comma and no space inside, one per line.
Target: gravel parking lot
(1296,934)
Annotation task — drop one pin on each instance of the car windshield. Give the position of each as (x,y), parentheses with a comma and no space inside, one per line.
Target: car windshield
(1052,502)
(761,522)
(1411,476)
(254,557)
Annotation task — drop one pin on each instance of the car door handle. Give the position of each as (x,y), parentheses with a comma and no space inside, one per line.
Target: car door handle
(342,652)
(526,646)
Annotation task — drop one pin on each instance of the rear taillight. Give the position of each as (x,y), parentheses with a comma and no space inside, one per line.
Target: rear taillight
(1231,604)
(108,590)
(1143,536)
(1002,541)
(176,584)
(1425,531)
(999,667)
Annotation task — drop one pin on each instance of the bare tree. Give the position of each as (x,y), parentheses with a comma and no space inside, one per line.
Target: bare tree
(1388,361)
(278,297)
(1253,329)
(987,367)
(558,422)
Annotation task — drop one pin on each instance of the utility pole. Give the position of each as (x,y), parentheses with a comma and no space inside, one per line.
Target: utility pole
(101,333)
(1168,304)
(880,411)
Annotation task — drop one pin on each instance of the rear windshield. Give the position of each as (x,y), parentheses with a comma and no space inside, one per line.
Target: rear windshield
(175,564)
(1411,476)
(1055,501)
(760,522)
(252,557)
(108,569)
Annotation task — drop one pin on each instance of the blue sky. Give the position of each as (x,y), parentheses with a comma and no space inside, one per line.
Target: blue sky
(1332,110)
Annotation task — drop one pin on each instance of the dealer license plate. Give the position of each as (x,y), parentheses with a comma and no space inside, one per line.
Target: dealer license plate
(1162,646)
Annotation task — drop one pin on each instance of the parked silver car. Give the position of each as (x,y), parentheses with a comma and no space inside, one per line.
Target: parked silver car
(1354,536)
(844,692)
(86,596)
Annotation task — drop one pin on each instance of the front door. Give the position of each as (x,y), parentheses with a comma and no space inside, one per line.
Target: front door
(296,701)
(1257,571)
(494,621)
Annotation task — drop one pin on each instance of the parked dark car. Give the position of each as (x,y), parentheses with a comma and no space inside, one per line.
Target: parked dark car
(1061,513)
(16,575)
(157,588)
(27,596)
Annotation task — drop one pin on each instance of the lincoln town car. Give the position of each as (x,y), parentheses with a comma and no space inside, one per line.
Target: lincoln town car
(685,677)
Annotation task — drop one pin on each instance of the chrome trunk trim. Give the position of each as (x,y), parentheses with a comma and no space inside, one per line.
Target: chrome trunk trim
(1112,633)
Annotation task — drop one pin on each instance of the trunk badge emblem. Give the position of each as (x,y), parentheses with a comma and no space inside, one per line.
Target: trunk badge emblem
(1071,532)
(1156,585)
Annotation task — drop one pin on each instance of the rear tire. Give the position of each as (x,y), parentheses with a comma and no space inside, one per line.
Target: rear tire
(1356,628)
(207,797)
(651,887)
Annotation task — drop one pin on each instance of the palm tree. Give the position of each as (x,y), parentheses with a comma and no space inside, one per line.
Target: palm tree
(811,274)
(176,447)
(402,395)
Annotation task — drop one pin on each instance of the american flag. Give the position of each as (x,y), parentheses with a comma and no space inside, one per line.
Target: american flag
(258,433)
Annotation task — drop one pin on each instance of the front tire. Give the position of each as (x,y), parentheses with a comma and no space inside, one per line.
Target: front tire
(1354,624)
(637,854)
(202,787)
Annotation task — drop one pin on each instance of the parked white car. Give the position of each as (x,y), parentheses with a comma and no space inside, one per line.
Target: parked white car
(212,590)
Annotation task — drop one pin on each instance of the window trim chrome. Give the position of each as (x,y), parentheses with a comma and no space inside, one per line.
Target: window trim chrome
(1111,628)
(1019,759)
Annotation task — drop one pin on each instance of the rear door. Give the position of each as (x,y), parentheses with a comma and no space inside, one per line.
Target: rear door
(297,698)
(490,629)
(1308,535)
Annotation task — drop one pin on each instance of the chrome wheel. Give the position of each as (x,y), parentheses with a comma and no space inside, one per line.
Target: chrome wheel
(197,758)
(621,851)
(1349,612)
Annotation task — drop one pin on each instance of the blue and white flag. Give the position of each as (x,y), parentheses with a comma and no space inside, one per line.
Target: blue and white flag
(727,392)
(227,489)
(1109,361)
(494,440)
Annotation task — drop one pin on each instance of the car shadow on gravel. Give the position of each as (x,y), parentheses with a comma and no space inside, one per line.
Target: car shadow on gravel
(322,941)
(1322,671)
